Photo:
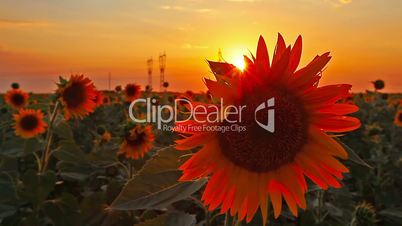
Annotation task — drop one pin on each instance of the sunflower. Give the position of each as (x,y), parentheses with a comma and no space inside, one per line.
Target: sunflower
(29,123)
(106,136)
(98,98)
(106,100)
(137,141)
(249,169)
(77,96)
(398,118)
(16,98)
(131,92)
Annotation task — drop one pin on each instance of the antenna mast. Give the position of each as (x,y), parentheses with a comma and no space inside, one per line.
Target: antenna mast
(110,81)
(150,63)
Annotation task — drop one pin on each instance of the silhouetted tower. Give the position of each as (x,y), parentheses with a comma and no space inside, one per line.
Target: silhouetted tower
(150,63)
(220,58)
(162,66)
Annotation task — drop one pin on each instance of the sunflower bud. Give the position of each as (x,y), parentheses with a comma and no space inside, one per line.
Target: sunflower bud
(364,215)
(15,85)
(379,84)
(118,88)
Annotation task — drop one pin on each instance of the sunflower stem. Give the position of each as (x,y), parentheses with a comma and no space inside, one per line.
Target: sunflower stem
(49,135)
(226,219)
(320,205)
(130,170)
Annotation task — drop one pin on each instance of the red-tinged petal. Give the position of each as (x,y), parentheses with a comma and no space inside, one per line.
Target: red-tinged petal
(192,141)
(219,90)
(278,70)
(307,76)
(276,198)
(279,49)
(311,172)
(338,109)
(289,179)
(189,126)
(295,55)
(327,143)
(337,123)
(327,94)
(262,60)
(222,68)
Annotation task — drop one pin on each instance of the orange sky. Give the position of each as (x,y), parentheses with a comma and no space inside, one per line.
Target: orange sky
(41,40)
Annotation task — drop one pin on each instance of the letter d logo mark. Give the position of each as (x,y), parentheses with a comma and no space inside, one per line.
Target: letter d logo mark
(270,125)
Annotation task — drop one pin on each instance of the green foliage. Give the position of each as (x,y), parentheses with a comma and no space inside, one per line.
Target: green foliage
(86,183)
(155,186)
(171,219)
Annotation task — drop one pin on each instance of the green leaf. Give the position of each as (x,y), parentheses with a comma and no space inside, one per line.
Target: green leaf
(63,130)
(35,187)
(7,210)
(7,187)
(17,147)
(395,214)
(155,186)
(32,145)
(353,156)
(171,219)
(68,151)
(63,211)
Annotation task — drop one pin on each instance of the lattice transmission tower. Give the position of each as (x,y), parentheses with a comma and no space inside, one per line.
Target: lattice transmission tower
(162,67)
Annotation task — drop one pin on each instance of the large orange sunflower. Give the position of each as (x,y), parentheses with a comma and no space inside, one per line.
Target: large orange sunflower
(16,98)
(137,142)
(78,96)
(132,92)
(398,118)
(250,168)
(29,123)
(98,98)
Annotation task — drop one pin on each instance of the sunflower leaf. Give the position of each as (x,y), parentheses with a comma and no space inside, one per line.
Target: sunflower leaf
(63,130)
(394,214)
(155,186)
(35,187)
(171,219)
(353,156)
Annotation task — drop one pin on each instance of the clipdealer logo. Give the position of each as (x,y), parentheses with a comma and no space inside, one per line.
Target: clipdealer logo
(163,115)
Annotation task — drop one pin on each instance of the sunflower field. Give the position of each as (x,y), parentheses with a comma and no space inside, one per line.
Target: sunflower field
(74,157)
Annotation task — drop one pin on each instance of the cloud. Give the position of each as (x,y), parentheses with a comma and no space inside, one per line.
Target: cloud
(7,23)
(185,9)
(205,10)
(191,46)
(338,3)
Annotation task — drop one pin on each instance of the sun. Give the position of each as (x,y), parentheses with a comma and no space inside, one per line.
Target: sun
(239,62)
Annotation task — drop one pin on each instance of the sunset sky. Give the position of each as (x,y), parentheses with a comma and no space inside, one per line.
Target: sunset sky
(40,40)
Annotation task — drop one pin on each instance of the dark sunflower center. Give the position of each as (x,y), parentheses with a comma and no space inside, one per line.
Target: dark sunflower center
(257,149)
(131,91)
(74,95)
(135,138)
(29,122)
(18,99)
(400,117)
